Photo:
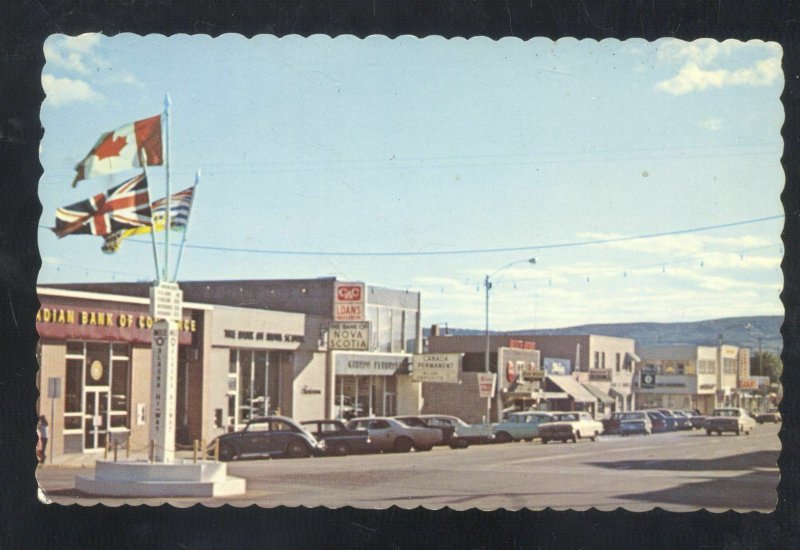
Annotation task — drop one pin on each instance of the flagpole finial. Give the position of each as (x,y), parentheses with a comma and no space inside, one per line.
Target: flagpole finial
(167,101)
(197,176)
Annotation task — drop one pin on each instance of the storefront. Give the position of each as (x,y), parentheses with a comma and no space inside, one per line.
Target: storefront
(367,384)
(263,362)
(94,375)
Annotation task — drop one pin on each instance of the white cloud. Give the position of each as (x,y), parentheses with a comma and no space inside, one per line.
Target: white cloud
(78,55)
(712,124)
(60,91)
(696,74)
(73,53)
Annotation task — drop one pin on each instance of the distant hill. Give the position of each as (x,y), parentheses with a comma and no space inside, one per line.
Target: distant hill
(738,331)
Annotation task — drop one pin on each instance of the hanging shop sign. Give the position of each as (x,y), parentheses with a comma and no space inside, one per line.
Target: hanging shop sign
(56,321)
(486,384)
(436,367)
(531,372)
(348,301)
(349,336)
(513,362)
(366,364)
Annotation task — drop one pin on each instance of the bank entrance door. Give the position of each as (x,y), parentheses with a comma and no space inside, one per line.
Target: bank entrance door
(95,418)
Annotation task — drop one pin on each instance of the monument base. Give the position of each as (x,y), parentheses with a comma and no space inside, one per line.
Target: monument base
(181,478)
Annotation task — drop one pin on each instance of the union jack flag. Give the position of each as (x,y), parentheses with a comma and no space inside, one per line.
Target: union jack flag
(123,207)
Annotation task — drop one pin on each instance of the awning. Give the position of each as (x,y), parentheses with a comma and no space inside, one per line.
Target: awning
(574,388)
(556,395)
(600,394)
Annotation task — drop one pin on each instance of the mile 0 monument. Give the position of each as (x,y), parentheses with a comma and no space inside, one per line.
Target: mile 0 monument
(166,303)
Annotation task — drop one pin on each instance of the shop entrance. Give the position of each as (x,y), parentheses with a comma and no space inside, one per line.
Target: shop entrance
(95,418)
(365,396)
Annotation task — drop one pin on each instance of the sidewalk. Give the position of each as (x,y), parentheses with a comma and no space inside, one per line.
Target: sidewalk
(87,460)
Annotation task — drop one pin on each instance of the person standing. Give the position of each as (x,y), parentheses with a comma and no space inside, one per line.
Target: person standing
(42,429)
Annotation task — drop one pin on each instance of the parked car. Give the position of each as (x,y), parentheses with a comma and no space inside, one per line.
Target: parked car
(463,434)
(339,439)
(570,426)
(729,419)
(520,425)
(658,421)
(267,436)
(682,422)
(695,418)
(446,429)
(669,418)
(635,422)
(390,434)
(773,415)
(611,424)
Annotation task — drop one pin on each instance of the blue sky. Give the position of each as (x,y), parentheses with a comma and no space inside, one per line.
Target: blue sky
(433,154)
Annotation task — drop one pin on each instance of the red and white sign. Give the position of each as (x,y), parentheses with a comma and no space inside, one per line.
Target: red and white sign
(511,371)
(348,302)
(486,384)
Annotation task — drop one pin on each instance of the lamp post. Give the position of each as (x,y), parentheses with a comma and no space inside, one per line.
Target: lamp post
(487,283)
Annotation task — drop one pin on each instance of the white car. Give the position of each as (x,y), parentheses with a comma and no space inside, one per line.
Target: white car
(390,434)
(729,419)
(570,426)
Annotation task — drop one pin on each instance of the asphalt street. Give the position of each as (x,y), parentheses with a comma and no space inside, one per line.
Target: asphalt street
(679,471)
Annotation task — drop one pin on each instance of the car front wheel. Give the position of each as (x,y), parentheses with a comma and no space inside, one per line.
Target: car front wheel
(340,449)
(503,437)
(297,449)
(226,453)
(402,445)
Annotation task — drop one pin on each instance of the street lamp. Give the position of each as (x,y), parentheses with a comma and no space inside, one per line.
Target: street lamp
(487,283)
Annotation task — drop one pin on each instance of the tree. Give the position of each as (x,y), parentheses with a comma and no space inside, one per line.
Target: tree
(766,364)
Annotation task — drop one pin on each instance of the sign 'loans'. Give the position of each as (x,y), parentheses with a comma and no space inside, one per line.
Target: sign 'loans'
(348,302)
(349,336)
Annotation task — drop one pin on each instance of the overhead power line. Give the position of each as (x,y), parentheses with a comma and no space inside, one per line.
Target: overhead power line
(532,247)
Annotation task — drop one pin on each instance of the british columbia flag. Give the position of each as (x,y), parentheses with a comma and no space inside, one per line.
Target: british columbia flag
(123,207)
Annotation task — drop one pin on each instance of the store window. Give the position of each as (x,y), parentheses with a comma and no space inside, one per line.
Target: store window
(253,384)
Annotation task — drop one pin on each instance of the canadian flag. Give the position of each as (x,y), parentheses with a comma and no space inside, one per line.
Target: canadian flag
(118,150)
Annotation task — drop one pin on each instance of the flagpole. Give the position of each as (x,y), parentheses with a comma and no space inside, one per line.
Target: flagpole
(167,221)
(186,227)
(143,161)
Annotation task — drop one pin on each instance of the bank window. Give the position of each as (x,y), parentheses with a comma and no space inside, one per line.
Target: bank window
(618,362)
(96,383)
(597,359)
(384,329)
(410,331)
(603,360)
(680,368)
(397,330)
(372,317)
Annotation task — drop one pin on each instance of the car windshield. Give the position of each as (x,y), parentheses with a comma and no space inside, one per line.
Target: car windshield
(632,416)
(726,412)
